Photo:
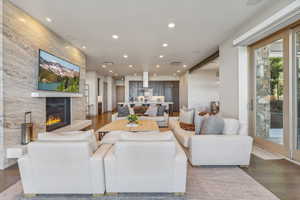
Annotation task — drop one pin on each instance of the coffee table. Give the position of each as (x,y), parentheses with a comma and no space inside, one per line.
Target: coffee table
(122,125)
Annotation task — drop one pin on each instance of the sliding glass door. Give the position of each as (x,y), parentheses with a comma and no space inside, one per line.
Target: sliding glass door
(270,93)
(295,142)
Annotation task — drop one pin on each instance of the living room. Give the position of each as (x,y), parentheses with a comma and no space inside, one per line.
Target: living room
(149,100)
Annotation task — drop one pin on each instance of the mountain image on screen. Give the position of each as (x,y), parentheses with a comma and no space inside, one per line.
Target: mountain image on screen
(56,74)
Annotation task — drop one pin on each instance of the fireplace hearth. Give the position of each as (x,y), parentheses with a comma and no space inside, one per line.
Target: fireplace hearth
(58,112)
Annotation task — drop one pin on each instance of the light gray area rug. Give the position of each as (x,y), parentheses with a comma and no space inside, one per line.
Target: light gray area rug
(204,183)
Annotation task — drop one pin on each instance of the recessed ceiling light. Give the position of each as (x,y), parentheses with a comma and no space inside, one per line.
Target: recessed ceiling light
(110,71)
(48,19)
(161,56)
(157,66)
(130,66)
(115,37)
(84,47)
(67,47)
(165,45)
(104,66)
(125,56)
(22,19)
(184,66)
(171,25)
(178,71)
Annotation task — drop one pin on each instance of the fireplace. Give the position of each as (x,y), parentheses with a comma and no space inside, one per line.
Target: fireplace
(58,112)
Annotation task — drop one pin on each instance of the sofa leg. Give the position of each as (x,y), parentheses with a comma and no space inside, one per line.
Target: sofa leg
(179,193)
(244,166)
(29,195)
(98,195)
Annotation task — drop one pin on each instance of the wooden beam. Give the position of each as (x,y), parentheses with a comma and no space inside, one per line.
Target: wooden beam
(205,61)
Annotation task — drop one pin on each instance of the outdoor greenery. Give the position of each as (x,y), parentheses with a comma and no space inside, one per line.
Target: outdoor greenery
(276,81)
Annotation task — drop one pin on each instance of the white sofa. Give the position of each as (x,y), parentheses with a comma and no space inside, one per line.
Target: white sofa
(162,121)
(63,167)
(146,166)
(232,148)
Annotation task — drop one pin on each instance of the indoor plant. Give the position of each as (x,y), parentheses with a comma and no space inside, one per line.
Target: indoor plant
(133,119)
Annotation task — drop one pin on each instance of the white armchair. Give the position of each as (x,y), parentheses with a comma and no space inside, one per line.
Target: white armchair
(63,167)
(146,166)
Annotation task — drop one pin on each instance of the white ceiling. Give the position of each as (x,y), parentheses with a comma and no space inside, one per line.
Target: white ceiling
(201,25)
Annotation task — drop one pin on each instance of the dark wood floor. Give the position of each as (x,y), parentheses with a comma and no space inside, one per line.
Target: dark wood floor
(279,176)
(9,177)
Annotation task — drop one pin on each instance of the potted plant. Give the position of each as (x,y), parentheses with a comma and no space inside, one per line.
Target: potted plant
(133,119)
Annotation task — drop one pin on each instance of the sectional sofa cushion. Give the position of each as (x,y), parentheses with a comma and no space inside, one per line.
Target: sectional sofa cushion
(186,116)
(123,111)
(213,125)
(231,126)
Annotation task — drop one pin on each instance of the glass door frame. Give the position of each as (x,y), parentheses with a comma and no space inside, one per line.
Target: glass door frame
(263,143)
(295,153)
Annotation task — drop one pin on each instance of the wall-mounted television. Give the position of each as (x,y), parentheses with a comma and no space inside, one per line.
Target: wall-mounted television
(57,74)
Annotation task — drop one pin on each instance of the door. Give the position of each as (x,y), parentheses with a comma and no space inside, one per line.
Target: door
(295,137)
(270,93)
(120,94)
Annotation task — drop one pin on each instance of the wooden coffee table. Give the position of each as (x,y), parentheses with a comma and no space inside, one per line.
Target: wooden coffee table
(121,125)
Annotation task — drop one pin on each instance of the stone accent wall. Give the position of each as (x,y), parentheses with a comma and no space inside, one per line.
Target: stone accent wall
(23,36)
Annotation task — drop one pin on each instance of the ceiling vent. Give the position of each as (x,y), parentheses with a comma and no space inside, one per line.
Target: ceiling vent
(176,63)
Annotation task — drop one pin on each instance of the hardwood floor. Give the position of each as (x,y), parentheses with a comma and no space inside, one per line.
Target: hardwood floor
(9,177)
(279,176)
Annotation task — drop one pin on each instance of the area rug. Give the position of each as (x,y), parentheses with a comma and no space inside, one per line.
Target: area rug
(203,183)
(265,155)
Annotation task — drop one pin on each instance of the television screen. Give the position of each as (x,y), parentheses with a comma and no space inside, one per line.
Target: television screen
(56,74)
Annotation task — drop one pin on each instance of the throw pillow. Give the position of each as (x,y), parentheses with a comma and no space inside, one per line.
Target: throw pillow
(123,111)
(231,126)
(151,111)
(186,116)
(187,127)
(198,121)
(213,125)
(161,110)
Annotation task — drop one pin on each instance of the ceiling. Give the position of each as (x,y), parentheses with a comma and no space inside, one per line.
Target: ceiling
(142,27)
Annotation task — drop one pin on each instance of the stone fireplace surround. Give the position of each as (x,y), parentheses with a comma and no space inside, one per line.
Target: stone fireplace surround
(19,44)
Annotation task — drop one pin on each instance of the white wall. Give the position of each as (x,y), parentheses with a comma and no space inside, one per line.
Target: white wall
(203,87)
(91,80)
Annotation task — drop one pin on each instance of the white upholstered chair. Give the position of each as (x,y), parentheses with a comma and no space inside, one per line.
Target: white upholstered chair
(146,166)
(63,167)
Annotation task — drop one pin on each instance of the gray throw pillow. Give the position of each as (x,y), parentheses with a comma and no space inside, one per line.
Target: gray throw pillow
(123,111)
(160,110)
(198,121)
(212,125)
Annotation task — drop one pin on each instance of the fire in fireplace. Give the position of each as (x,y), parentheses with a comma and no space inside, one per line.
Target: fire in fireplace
(57,112)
